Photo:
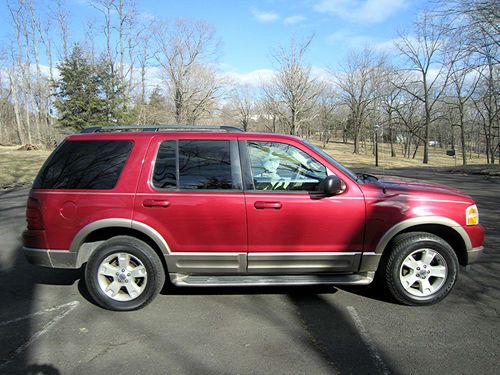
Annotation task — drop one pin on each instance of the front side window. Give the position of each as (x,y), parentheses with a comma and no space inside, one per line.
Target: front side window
(283,167)
(201,164)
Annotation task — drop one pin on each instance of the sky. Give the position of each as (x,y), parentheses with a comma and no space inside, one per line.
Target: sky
(251,29)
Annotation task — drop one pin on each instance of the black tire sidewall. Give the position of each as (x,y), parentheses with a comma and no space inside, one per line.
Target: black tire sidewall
(408,247)
(139,250)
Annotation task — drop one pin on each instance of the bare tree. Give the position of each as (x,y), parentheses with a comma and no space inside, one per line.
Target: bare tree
(389,100)
(429,75)
(269,113)
(62,16)
(359,86)
(407,110)
(241,107)
(475,22)
(463,83)
(293,87)
(488,106)
(186,52)
(327,107)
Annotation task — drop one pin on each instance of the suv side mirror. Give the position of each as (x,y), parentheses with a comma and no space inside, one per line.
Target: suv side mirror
(331,185)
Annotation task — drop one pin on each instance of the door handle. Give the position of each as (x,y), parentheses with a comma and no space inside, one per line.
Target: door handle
(155,203)
(260,205)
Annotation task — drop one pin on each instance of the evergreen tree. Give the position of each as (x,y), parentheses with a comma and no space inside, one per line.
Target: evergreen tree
(156,108)
(112,89)
(78,96)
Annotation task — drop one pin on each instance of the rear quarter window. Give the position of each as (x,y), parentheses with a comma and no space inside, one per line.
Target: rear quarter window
(84,165)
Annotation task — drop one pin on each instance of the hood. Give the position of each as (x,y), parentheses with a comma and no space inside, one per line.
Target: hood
(394,184)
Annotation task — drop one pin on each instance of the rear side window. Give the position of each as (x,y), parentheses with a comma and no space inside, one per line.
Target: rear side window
(196,164)
(84,165)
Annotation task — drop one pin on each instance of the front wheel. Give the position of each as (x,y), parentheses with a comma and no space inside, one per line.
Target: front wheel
(421,269)
(124,274)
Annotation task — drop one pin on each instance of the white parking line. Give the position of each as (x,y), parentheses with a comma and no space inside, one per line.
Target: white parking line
(29,316)
(70,307)
(365,337)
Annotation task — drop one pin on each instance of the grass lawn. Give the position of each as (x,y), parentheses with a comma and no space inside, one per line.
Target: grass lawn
(437,157)
(20,167)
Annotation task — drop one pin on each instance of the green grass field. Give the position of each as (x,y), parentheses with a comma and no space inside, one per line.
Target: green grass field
(20,167)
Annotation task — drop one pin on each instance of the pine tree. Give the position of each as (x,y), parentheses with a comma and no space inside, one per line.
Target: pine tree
(78,97)
(112,89)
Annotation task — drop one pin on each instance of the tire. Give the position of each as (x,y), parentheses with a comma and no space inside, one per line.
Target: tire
(124,274)
(421,269)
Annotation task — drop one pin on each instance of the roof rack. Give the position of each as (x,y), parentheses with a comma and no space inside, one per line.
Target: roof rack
(155,128)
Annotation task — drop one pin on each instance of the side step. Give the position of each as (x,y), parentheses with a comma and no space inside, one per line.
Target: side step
(264,280)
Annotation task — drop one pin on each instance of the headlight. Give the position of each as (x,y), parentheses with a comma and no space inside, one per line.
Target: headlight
(472,215)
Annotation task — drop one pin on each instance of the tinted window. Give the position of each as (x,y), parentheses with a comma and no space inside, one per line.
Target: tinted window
(280,166)
(84,165)
(205,165)
(201,165)
(164,175)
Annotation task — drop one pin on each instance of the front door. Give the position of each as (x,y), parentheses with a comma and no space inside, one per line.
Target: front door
(290,228)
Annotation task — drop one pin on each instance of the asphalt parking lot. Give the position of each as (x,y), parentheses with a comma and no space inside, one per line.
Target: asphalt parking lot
(48,326)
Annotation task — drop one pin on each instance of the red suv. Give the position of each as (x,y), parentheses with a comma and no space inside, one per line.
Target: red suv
(215,206)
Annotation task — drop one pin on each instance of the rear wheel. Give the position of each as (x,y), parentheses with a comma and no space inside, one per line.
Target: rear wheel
(421,269)
(124,274)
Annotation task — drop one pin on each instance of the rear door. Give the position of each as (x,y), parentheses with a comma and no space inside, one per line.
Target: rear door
(191,193)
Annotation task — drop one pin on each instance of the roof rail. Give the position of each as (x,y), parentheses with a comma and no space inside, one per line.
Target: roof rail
(155,128)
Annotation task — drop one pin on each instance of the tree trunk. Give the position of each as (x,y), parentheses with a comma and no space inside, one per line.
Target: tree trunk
(19,127)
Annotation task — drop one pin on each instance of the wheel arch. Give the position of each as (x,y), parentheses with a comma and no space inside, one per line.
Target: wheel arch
(93,234)
(445,228)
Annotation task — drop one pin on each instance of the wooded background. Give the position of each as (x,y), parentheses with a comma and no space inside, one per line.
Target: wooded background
(440,89)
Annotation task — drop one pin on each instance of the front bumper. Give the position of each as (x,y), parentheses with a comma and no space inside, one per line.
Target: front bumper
(51,258)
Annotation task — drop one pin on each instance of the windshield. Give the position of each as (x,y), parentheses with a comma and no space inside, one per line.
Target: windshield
(347,171)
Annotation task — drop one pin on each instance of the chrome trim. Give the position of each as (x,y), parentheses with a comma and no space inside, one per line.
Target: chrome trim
(39,257)
(207,263)
(63,259)
(51,258)
(369,262)
(202,263)
(474,254)
(180,279)
(421,220)
(300,263)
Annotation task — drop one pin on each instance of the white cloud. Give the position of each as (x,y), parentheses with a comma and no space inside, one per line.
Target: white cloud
(386,45)
(320,73)
(353,41)
(347,38)
(291,20)
(363,11)
(253,78)
(265,16)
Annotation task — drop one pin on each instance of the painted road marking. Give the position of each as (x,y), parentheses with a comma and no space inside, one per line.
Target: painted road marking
(365,337)
(67,308)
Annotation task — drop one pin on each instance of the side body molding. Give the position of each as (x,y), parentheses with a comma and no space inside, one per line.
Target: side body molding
(422,220)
